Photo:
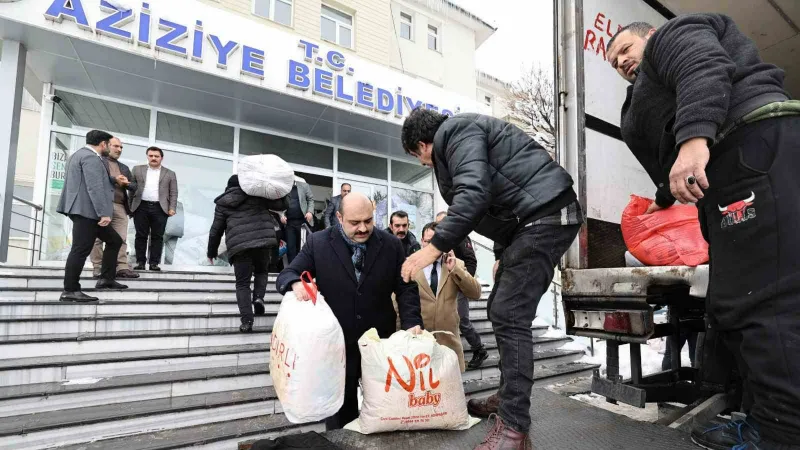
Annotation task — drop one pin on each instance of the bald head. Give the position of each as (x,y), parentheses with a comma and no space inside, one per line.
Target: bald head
(356,213)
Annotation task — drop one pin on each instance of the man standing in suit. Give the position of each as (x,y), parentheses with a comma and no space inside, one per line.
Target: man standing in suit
(465,252)
(87,199)
(441,284)
(357,269)
(156,199)
(301,208)
(333,206)
(120,177)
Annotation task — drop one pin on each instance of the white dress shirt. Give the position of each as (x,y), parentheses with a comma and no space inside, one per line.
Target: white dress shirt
(428,271)
(150,193)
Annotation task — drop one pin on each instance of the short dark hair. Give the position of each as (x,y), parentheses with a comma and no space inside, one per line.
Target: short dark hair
(154,149)
(346,184)
(97,137)
(638,28)
(400,214)
(430,226)
(420,126)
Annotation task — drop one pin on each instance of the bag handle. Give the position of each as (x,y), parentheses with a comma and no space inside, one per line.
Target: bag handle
(309,285)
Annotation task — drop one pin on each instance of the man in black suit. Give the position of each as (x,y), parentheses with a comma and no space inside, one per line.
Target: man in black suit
(357,269)
(87,199)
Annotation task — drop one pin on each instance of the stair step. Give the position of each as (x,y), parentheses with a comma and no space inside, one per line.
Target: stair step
(212,436)
(137,283)
(542,377)
(17,327)
(166,273)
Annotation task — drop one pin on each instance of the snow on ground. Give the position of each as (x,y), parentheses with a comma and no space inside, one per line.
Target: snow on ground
(647,414)
(81,381)
(652,355)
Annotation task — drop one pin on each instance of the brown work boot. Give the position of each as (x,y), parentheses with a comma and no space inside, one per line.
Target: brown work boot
(127,273)
(484,407)
(501,437)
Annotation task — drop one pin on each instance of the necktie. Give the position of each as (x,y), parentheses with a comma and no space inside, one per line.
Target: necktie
(434,279)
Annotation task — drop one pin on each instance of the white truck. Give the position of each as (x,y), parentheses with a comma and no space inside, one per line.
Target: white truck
(603,298)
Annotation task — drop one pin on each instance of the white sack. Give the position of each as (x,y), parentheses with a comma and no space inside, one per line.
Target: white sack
(307,359)
(266,176)
(409,383)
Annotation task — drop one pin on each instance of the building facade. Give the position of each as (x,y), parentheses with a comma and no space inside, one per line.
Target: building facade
(325,85)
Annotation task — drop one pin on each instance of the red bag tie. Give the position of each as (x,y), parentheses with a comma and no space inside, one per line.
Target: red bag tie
(310,286)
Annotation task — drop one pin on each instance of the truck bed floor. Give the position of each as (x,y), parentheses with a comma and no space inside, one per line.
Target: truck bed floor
(559,423)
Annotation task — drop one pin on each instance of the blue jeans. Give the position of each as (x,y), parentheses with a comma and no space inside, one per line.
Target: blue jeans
(525,272)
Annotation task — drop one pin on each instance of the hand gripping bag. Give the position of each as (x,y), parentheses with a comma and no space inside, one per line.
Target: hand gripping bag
(668,237)
(266,176)
(307,357)
(409,383)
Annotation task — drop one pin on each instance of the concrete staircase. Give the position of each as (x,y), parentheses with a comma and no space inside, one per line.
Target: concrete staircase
(162,365)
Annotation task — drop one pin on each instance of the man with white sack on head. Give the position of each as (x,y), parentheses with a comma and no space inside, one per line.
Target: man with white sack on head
(357,269)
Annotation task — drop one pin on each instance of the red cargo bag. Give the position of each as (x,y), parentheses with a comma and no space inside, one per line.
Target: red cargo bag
(669,237)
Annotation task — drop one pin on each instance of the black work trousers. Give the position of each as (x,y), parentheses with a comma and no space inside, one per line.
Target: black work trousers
(250,263)
(149,220)
(84,233)
(525,272)
(750,215)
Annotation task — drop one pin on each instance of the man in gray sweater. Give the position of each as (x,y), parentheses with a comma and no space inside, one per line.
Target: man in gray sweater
(712,124)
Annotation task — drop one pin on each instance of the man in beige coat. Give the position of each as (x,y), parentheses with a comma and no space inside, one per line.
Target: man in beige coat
(439,286)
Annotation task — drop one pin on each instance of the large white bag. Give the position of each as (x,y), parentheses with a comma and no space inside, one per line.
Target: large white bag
(307,357)
(409,383)
(266,176)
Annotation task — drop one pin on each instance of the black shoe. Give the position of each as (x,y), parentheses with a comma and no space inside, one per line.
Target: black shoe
(721,434)
(246,327)
(478,357)
(76,296)
(110,284)
(258,307)
(139,266)
(155,268)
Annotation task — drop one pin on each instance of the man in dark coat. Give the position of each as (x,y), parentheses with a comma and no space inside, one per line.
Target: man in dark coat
(711,124)
(399,226)
(466,253)
(250,238)
(333,206)
(357,269)
(502,184)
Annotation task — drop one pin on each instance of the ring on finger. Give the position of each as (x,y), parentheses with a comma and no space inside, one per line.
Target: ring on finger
(691,180)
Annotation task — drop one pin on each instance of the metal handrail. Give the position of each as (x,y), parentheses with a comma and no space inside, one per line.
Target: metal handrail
(38,209)
(25,202)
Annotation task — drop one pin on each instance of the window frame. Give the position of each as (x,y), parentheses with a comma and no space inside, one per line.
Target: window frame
(436,36)
(271,17)
(410,22)
(339,25)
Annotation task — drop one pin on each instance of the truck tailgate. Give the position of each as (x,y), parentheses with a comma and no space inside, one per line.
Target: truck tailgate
(631,281)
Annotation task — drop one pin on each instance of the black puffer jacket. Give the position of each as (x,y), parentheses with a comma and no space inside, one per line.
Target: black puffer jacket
(495,178)
(410,243)
(245,220)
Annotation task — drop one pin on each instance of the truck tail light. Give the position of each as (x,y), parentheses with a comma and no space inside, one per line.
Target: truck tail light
(632,322)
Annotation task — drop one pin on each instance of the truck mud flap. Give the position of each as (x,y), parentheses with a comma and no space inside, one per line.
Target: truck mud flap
(616,390)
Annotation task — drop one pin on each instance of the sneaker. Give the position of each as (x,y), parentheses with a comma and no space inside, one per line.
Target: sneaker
(139,266)
(721,434)
(501,437)
(479,355)
(155,268)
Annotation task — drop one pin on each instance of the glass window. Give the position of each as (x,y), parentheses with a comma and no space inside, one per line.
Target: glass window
(414,174)
(433,38)
(378,194)
(291,150)
(488,100)
(276,10)
(336,26)
(361,164)
(418,205)
(194,133)
(406,24)
(78,111)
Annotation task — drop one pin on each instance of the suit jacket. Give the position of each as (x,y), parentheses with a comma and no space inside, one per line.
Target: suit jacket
(440,312)
(362,305)
(305,196)
(87,191)
(167,188)
(129,190)
(330,211)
